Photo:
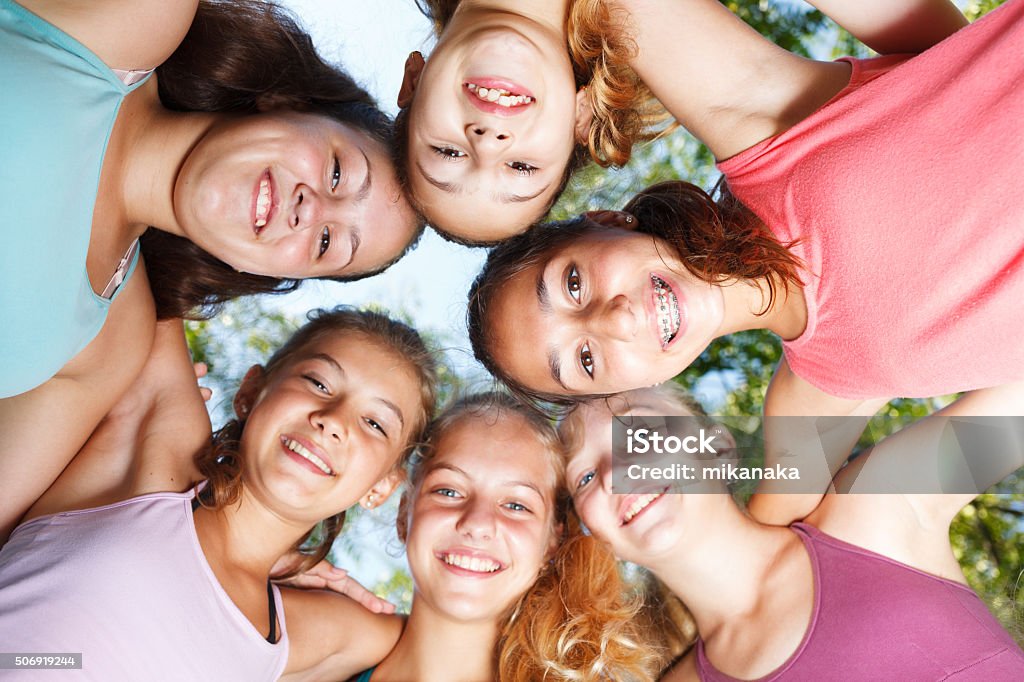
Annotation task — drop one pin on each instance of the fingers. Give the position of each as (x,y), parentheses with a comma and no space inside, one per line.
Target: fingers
(201,371)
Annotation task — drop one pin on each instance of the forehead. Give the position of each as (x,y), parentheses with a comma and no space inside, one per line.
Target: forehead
(490,449)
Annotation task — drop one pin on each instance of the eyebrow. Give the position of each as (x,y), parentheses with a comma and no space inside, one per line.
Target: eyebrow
(341,370)
(544,300)
(521,484)
(364,189)
(452,188)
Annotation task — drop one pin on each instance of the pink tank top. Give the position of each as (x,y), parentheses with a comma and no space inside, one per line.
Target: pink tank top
(906,191)
(128,587)
(877,619)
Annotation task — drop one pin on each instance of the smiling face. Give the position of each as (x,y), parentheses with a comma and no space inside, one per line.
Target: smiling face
(293,195)
(492,125)
(327,426)
(611,311)
(638,526)
(481,521)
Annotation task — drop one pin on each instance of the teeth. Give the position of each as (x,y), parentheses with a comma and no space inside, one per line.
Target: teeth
(475,564)
(639,504)
(263,203)
(667,309)
(299,449)
(501,97)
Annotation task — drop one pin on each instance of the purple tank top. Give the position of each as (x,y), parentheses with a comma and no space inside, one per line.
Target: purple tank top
(877,619)
(127,585)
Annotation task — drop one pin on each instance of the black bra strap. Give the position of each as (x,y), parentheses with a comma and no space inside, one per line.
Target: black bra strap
(272,637)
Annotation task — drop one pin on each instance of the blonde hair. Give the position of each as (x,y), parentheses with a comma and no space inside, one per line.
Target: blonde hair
(220,464)
(576,621)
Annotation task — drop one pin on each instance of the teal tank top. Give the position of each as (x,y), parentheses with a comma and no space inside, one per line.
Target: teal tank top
(57,110)
(365,675)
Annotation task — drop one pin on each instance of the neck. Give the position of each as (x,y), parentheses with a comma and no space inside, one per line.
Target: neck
(431,641)
(157,142)
(746,299)
(734,556)
(550,13)
(245,536)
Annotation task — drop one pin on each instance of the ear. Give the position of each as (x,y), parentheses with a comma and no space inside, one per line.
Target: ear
(619,219)
(249,391)
(584,115)
(381,490)
(413,70)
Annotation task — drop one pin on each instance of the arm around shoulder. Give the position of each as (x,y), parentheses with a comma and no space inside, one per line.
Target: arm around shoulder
(887,27)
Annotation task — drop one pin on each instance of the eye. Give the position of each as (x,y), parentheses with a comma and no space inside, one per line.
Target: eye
(573,283)
(446,492)
(587,360)
(517,506)
(325,241)
(336,174)
(585,479)
(316,383)
(375,425)
(448,153)
(522,168)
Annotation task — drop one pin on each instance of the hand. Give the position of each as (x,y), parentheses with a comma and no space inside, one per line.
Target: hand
(201,370)
(327,576)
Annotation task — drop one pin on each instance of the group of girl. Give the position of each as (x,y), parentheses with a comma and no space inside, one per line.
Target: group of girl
(246,162)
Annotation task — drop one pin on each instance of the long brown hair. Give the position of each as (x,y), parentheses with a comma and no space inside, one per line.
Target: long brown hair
(245,57)
(576,621)
(220,464)
(716,240)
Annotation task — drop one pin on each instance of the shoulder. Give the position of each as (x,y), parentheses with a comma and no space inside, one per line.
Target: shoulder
(791,395)
(333,636)
(685,670)
(125,34)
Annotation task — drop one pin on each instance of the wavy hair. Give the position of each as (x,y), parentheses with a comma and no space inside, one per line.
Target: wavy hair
(576,621)
(220,464)
(716,239)
(246,57)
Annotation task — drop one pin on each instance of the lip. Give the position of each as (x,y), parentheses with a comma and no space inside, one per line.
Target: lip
(494,108)
(473,554)
(628,501)
(652,314)
(255,196)
(302,461)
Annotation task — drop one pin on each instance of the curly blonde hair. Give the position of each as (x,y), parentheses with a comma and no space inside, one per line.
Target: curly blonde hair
(577,620)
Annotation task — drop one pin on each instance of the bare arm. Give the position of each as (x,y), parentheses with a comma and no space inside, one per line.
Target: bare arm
(148,439)
(333,637)
(125,34)
(888,27)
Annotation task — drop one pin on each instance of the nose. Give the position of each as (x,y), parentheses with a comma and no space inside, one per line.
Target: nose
(307,210)
(613,319)
(484,137)
(329,420)
(476,520)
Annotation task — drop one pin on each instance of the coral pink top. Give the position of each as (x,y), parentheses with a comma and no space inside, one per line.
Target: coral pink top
(906,190)
(877,619)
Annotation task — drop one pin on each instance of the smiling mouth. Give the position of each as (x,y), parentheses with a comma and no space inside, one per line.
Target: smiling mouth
(264,203)
(639,504)
(667,310)
(471,563)
(499,96)
(304,452)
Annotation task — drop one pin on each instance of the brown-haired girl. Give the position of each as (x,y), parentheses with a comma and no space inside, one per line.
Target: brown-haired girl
(244,163)
(506,585)
(164,584)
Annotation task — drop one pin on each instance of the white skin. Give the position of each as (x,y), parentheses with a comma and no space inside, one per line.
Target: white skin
(749,585)
(346,399)
(483,172)
(480,529)
(196,175)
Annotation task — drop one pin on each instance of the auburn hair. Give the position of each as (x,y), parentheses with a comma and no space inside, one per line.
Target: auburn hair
(220,464)
(716,239)
(576,622)
(246,57)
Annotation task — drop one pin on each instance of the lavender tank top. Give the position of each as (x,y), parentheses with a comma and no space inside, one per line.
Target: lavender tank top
(877,619)
(128,587)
